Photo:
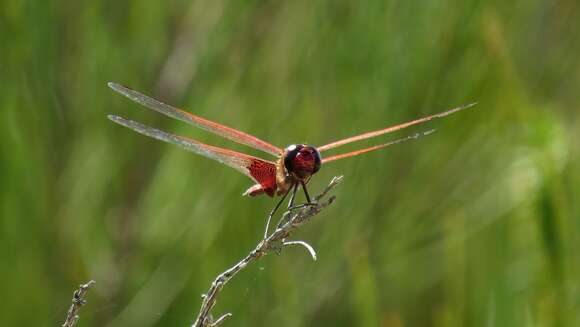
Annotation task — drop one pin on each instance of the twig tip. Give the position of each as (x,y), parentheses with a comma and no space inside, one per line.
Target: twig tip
(304,244)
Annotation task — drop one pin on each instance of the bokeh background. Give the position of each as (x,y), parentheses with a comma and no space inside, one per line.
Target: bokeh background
(475,225)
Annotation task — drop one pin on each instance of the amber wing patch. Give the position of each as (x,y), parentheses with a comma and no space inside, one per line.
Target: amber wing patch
(265,174)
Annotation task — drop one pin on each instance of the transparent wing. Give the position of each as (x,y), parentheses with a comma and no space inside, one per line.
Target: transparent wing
(376,147)
(392,128)
(213,127)
(261,171)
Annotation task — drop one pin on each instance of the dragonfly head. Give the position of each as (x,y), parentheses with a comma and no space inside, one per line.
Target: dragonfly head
(302,160)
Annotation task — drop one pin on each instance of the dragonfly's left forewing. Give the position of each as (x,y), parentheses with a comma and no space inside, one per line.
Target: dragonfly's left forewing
(391,129)
(376,147)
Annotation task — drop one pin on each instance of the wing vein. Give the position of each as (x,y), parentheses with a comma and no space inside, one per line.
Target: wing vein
(392,128)
(239,161)
(377,147)
(196,121)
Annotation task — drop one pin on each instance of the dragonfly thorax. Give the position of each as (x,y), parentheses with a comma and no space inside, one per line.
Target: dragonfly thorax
(302,160)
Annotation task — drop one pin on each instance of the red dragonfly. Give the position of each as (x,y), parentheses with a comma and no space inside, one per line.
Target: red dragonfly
(293,166)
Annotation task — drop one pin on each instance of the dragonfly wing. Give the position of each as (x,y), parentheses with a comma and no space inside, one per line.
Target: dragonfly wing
(392,128)
(213,127)
(376,147)
(261,171)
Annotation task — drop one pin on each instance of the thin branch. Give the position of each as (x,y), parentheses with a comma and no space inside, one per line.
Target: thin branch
(308,247)
(221,319)
(78,301)
(293,219)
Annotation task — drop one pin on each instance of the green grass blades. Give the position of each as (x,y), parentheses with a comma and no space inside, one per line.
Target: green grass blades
(475,225)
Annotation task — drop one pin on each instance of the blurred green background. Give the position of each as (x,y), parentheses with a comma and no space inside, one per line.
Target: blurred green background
(475,225)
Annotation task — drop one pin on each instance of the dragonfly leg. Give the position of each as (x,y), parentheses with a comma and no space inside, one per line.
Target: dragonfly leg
(294,189)
(290,204)
(306,192)
(308,201)
(273,212)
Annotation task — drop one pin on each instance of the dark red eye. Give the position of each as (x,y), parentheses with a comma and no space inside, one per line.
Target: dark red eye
(302,159)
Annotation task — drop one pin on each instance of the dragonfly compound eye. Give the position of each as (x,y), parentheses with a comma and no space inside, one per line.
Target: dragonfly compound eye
(302,160)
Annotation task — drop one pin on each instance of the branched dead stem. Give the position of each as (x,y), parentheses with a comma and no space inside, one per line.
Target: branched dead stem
(291,221)
(78,301)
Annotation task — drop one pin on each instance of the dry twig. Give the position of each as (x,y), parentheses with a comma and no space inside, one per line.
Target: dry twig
(291,220)
(78,301)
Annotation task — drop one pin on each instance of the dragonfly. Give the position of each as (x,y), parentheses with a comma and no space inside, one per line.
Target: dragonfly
(292,167)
